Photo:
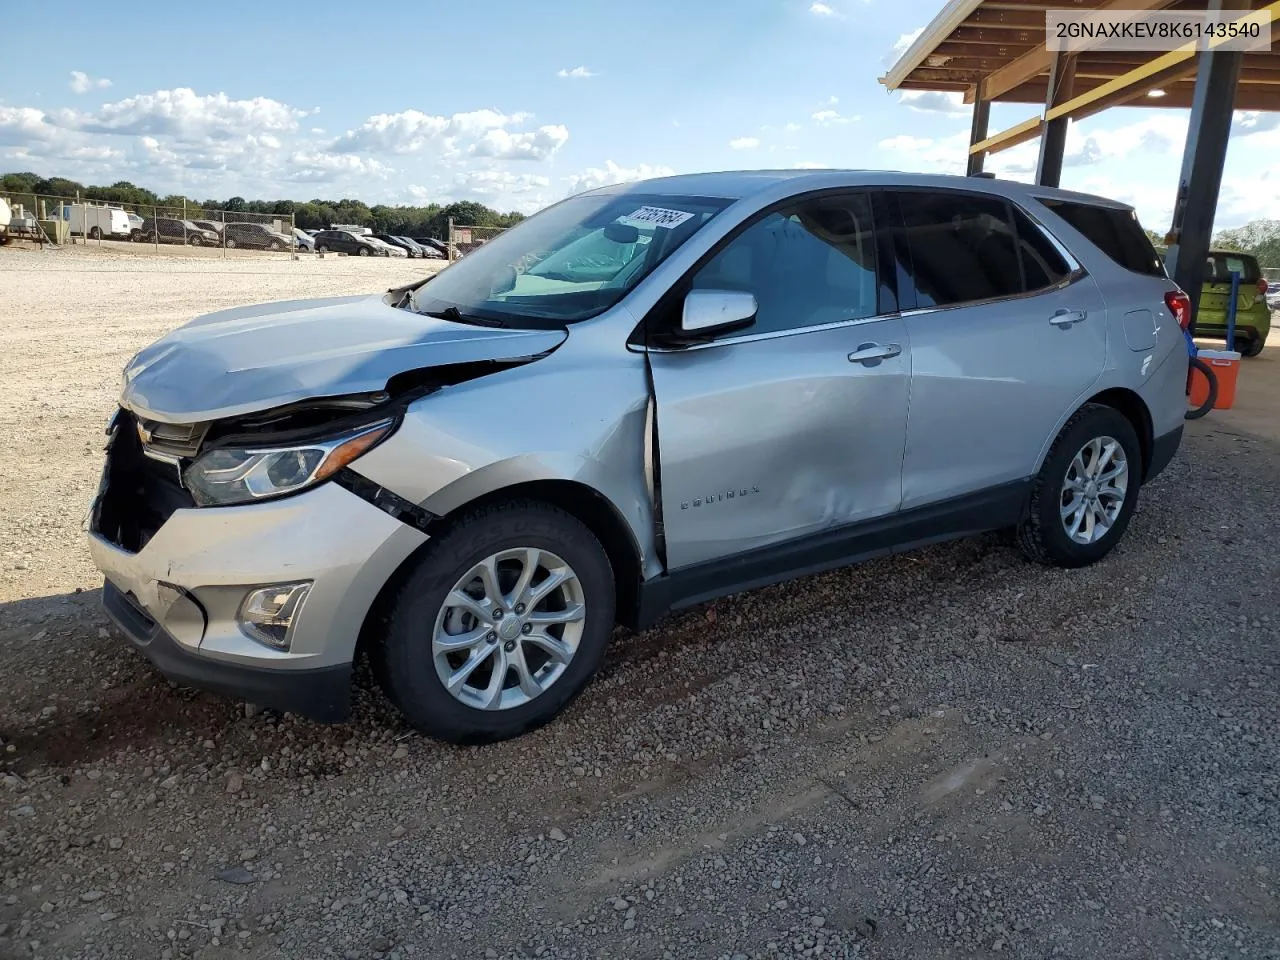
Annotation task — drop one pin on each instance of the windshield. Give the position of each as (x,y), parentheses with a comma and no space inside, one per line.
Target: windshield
(570,262)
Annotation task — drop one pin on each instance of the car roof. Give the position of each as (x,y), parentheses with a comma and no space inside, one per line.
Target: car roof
(741,184)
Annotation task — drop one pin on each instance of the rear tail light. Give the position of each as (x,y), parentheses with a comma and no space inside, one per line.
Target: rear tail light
(1179,305)
(1262,286)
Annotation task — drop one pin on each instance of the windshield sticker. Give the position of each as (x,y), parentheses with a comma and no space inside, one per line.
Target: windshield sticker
(658,217)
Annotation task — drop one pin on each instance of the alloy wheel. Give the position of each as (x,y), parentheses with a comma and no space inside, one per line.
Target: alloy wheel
(1094,490)
(508,629)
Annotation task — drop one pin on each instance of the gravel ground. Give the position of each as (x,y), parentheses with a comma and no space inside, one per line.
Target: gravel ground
(950,753)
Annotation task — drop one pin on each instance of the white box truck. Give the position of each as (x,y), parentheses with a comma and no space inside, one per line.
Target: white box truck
(95,221)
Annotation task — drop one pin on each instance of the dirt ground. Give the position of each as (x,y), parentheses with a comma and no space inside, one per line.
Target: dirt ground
(951,753)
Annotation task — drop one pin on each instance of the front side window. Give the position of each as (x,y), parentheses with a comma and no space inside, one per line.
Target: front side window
(807,265)
(569,262)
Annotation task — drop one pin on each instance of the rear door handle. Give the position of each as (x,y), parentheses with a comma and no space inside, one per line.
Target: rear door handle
(872,352)
(1067,318)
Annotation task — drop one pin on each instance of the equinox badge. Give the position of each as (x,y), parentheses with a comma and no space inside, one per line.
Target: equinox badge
(719,497)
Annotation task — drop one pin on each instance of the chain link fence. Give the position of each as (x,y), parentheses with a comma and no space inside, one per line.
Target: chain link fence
(70,220)
(463,238)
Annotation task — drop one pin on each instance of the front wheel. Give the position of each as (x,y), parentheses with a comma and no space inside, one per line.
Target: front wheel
(503,621)
(364,251)
(275,246)
(1086,491)
(194,240)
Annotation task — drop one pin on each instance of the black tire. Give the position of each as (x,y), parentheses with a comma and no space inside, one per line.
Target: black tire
(322,249)
(1041,535)
(275,246)
(1212,398)
(231,243)
(95,233)
(1249,346)
(403,662)
(364,251)
(195,240)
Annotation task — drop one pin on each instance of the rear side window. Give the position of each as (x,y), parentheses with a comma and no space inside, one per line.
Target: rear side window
(1114,231)
(964,248)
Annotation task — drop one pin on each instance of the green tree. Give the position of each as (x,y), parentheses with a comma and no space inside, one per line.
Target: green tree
(1261,238)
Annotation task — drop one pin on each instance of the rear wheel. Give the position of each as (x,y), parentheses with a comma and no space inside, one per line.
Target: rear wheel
(1249,346)
(1086,491)
(322,249)
(231,243)
(95,233)
(500,625)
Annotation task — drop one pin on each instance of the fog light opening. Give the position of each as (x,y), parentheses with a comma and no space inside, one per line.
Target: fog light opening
(267,614)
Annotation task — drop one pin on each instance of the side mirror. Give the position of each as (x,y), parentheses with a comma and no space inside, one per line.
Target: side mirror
(708,312)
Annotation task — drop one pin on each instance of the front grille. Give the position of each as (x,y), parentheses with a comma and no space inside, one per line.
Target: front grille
(139,494)
(172,439)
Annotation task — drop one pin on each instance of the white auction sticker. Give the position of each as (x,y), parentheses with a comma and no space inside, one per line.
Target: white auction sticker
(659,217)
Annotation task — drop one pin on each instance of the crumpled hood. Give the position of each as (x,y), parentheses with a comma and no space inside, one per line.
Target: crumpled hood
(247,359)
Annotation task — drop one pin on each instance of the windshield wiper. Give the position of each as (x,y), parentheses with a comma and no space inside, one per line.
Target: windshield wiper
(455,315)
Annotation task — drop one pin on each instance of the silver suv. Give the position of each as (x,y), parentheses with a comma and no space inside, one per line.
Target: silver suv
(641,398)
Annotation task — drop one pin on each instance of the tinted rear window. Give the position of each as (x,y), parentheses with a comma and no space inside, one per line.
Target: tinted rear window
(1115,232)
(1220,265)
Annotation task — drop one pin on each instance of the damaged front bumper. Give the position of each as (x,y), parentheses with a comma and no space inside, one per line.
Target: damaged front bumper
(176,582)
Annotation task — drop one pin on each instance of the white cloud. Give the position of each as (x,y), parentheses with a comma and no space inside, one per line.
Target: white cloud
(1162,134)
(81,82)
(810,165)
(317,130)
(577,73)
(934,101)
(481,133)
(826,118)
(184,113)
(901,46)
(319,165)
(792,128)
(21,125)
(1247,123)
(819,9)
(611,173)
(744,143)
(927,154)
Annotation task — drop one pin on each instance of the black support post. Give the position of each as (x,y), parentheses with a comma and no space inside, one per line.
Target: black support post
(978,130)
(1202,161)
(1053,133)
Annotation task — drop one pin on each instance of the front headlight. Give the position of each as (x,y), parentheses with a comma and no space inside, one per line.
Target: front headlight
(243,475)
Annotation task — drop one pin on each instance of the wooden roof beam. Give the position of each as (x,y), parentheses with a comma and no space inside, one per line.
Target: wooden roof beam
(1038,60)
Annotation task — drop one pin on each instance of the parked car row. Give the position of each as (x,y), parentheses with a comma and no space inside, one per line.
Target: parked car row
(376,245)
(197,233)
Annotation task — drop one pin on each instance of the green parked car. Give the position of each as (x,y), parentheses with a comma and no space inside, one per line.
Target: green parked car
(1253,316)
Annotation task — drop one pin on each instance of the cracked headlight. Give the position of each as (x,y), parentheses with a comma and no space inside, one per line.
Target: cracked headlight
(245,474)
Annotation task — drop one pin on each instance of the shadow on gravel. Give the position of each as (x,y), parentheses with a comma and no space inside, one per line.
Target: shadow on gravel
(56,719)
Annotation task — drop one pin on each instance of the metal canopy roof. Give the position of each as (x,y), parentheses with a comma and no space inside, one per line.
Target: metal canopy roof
(1001,43)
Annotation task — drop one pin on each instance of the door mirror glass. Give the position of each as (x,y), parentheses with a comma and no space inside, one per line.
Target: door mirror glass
(717,311)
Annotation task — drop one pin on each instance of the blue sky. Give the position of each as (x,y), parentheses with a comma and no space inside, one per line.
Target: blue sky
(517,104)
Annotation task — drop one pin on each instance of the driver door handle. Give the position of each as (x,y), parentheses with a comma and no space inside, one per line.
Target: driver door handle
(873,352)
(1067,318)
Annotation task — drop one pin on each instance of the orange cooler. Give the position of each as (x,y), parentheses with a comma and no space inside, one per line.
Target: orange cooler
(1226,365)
